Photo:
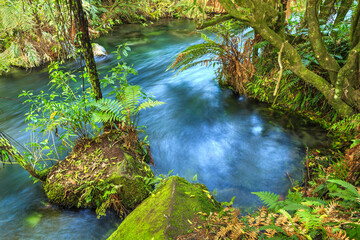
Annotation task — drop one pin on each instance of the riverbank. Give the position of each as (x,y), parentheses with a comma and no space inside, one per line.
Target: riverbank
(35,34)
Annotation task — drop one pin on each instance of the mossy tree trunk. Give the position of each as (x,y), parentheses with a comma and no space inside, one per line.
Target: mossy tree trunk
(85,45)
(342,85)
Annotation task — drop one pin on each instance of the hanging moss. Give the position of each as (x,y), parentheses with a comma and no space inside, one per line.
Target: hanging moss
(167,213)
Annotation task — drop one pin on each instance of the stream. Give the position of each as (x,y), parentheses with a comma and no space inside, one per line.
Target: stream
(234,145)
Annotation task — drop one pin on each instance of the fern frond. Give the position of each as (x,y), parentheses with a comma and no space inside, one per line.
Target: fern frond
(295,207)
(149,104)
(340,169)
(237,231)
(107,110)
(131,98)
(187,58)
(268,198)
(348,188)
(272,227)
(33,59)
(206,38)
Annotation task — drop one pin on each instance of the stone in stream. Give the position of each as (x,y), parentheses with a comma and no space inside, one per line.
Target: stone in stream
(100,173)
(168,212)
(99,50)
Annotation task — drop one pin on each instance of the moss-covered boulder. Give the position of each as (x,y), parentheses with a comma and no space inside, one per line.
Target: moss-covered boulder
(100,173)
(168,212)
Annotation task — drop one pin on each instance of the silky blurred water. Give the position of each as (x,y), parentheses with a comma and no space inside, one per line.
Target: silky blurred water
(234,145)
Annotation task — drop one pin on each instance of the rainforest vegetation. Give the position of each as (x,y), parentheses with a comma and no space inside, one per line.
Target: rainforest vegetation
(300,57)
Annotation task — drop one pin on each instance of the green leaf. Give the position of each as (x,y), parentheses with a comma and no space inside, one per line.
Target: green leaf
(348,187)
(270,199)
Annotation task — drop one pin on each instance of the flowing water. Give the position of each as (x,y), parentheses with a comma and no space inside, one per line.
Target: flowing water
(232,144)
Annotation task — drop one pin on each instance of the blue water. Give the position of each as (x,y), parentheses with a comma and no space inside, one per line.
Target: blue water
(233,144)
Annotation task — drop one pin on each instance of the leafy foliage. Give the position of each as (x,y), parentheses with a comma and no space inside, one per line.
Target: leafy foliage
(128,102)
(270,199)
(228,53)
(7,151)
(34,32)
(124,110)
(69,113)
(348,126)
(350,193)
(296,217)
(59,114)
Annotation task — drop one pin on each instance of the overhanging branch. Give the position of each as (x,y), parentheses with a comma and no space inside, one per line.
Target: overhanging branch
(295,65)
(214,21)
(241,14)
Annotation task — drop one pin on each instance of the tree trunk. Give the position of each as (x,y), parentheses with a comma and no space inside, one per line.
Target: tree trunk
(85,45)
(326,10)
(343,10)
(339,94)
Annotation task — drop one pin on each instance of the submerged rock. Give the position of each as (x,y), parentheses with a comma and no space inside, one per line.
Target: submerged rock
(99,50)
(168,212)
(99,173)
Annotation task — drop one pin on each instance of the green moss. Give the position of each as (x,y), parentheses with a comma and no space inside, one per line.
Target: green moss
(132,191)
(165,214)
(43,174)
(98,176)
(56,194)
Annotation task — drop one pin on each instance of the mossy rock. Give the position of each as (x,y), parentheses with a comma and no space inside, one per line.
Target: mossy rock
(168,212)
(100,173)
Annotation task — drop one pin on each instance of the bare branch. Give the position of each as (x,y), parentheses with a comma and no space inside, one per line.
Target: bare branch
(281,70)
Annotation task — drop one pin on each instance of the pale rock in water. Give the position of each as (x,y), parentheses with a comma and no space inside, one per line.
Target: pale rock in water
(99,50)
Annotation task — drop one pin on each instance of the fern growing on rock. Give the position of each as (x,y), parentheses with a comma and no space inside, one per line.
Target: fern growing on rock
(125,109)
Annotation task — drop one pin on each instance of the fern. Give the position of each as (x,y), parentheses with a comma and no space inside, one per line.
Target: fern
(272,227)
(190,56)
(6,149)
(33,58)
(149,104)
(291,206)
(309,219)
(347,126)
(107,110)
(340,169)
(270,199)
(124,109)
(349,193)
